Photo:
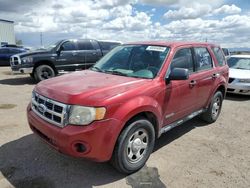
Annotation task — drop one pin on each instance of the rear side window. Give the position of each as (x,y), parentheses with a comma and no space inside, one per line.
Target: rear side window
(203,59)
(68,46)
(183,59)
(85,45)
(219,56)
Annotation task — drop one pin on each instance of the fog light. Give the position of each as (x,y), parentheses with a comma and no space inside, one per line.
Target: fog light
(79,147)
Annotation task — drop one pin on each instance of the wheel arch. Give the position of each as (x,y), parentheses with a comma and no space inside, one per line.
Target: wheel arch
(44,62)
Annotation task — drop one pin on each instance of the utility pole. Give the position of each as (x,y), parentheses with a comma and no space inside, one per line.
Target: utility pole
(41,39)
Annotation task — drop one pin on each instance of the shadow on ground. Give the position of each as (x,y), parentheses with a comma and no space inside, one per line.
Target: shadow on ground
(28,162)
(237,97)
(18,81)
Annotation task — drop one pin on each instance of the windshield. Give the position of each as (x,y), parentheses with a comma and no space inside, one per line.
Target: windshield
(141,61)
(239,63)
(51,46)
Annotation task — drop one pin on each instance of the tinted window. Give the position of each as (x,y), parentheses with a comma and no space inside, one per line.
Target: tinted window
(68,46)
(85,45)
(15,51)
(203,59)
(219,56)
(183,59)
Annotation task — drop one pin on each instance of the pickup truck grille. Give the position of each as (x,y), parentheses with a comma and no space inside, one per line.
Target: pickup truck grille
(15,60)
(51,111)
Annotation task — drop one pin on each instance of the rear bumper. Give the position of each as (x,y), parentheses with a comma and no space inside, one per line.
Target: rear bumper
(98,139)
(239,88)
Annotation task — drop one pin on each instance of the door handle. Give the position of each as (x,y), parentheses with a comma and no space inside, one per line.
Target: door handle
(215,75)
(74,54)
(192,83)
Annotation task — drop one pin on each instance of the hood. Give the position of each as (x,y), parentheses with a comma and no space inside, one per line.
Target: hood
(239,73)
(88,87)
(31,53)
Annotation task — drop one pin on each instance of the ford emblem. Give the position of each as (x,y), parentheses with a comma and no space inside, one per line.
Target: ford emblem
(41,108)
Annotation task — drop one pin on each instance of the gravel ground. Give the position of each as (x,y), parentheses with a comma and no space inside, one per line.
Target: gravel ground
(192,155)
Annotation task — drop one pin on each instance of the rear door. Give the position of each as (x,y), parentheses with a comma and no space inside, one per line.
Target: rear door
(89,53)
(67,58)
(181,94)
(205,75)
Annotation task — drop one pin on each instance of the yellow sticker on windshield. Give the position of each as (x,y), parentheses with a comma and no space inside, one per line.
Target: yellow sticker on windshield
(156,48)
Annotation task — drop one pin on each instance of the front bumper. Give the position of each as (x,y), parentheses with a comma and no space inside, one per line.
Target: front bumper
(17,67)
(98,139)
(16,70)
(239,88)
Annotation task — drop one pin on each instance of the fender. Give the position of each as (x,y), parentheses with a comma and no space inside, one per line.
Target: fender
(133,107)
(222,82)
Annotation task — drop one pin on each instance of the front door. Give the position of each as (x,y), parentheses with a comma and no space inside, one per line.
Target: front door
(67,56)
(181,95)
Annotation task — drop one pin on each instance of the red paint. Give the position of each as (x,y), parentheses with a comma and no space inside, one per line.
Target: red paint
(123,97)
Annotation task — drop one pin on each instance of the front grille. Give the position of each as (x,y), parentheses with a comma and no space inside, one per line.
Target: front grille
(15,60)
(231,80)
(52,111)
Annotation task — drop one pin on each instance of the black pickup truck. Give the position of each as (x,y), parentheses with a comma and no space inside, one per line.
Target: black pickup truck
(63,56)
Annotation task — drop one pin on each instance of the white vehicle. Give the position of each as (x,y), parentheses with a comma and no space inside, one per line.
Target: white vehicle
(239,74)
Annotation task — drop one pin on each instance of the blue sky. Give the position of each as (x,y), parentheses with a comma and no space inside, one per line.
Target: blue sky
(225,22)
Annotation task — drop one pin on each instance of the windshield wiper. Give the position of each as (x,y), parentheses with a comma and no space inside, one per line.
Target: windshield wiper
(115,72)
(96,68)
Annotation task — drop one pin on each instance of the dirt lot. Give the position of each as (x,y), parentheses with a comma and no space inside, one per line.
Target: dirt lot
(192,155)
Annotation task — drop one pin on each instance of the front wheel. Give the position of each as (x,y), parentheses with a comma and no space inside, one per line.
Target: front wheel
(44,72)
(134,146)
(214,109)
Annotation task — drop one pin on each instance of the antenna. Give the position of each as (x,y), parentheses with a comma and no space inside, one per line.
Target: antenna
(41,39)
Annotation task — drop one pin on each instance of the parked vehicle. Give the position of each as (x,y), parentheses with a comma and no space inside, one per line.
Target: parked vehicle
(7,52)
(239,74)
(115,110)
(226,52)
(65,55)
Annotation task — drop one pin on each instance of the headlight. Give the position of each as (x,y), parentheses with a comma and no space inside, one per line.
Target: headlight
(244,80)
(80,115)
(27,59)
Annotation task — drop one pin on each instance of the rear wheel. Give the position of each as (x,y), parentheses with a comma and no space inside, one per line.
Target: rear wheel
(43,72)
(134,146)
(214,109)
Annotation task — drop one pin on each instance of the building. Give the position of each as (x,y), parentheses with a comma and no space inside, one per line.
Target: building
(7,34)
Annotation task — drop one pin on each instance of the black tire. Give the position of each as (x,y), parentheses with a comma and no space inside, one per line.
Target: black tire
(214,109)
(32,75)
(43,72)
(138,137)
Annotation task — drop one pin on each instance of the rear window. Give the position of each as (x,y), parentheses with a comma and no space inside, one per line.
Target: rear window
(219,56)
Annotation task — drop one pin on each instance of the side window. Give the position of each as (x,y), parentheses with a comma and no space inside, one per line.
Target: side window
(183,59)
(68,46)
(85,45)
(203,59)
(219,56)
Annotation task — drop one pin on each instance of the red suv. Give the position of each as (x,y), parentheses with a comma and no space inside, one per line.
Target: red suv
(115,110)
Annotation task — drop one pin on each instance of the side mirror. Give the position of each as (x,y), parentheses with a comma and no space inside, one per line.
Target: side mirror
(178,74)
